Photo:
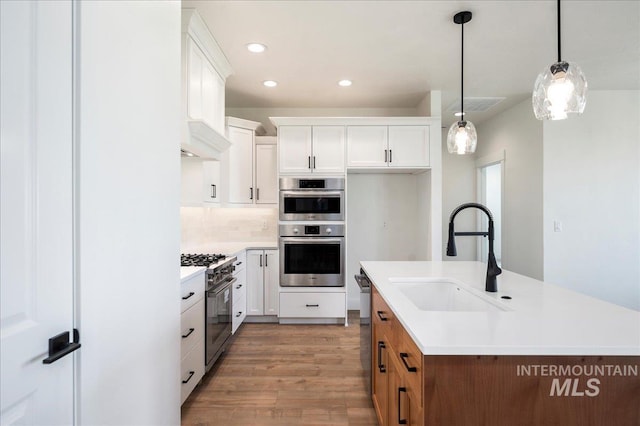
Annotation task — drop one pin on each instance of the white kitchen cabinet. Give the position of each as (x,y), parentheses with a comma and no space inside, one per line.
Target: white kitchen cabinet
(311,149)
(200,182)
(205,96)
(262,282)
(239,291)
(192,332)
(266,170)
(250,165)
(312,305)
(388,147)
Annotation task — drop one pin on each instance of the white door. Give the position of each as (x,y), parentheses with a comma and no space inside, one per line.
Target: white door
(241,190)
(367,146)
(294,148)
(255,282)
(408,146)
(266,174)
(36,217)
(271,282)
(328,149)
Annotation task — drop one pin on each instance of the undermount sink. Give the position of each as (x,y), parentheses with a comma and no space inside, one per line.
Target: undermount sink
(443,295)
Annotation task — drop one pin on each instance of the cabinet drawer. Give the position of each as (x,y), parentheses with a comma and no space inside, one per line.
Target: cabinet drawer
(239,293)
(192,290)
(312,305)
(192,327)
(191,370)
(239,314)
(383,317)
(241,262)
(410,358)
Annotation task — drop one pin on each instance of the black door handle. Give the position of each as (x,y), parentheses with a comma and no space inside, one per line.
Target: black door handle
(266,257)
(188,296)
(390,156)
(60,346)
(191,373)
(385,156)
(191,330)
(251,193)
(213,191)
(403,357)
(314,161)
(257,194)
(312,306)
(238,314)
(381,366)
(261,261)
(309,162)
(381,317)
(401,421)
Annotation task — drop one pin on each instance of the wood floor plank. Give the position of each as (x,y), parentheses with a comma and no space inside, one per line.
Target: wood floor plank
(303,375)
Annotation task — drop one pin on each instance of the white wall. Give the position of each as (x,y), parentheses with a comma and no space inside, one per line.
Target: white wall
(382,213)
(517,132)
(262,114)
(129,176)
(592,186)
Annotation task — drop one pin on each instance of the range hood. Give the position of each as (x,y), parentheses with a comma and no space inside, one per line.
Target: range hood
(202,140)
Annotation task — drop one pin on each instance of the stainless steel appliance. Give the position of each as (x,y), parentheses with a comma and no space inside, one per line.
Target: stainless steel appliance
(218,306)
(312,199)
(365,326)
(312,255)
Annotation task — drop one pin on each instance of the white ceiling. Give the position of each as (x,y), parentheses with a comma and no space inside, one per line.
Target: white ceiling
(397,51)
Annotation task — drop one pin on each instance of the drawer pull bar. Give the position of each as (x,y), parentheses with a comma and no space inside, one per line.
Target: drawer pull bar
(188,296)
(404,355)
(238,314)
(191,373)
(381,366)
(381,317)
(191,330)
(238,286)
(401,421)
(312,306)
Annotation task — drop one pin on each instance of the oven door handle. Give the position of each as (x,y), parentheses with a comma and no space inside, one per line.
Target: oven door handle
(222,288)
(312,240)
(312,194)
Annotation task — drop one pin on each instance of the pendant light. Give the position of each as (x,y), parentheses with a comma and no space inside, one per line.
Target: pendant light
(462,137)
(559,89)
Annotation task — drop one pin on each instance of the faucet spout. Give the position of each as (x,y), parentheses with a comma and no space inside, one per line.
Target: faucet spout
(493,270)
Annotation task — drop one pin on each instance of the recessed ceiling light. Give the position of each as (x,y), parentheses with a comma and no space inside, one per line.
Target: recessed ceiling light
(256,47)
(270,83)
(345,83)
(459,114)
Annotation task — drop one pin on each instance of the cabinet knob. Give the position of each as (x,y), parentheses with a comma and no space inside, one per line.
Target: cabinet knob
(295,230)
(329,231)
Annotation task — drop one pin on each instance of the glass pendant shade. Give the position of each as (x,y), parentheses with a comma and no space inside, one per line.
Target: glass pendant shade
(559,90)
(462,138)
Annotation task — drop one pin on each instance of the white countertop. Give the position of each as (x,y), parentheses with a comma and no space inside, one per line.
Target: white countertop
(187,272)
(544,319)
(231,248)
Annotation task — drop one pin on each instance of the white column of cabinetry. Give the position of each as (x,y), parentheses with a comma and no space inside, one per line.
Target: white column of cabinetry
(266,170)
(262,282)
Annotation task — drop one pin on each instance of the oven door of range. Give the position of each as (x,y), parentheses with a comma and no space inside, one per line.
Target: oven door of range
(218,320)
(312,205)
(312,261)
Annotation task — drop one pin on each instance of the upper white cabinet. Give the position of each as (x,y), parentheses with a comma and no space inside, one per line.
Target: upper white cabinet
(200,182)
(388,146)
(204,72)
(311,149)
(250,165)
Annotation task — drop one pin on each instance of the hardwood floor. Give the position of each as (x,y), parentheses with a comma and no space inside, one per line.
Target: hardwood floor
(285,375)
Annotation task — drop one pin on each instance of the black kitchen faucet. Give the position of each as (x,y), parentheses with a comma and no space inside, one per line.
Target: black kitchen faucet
(493,270)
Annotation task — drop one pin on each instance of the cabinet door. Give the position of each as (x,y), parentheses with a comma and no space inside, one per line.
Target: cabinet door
(266,174)
(240,157)
(328,149)
(209,89)
(409,146)
(190,181)
(271,282)
(294,149)
(367,146)
(255,282)
(211,182)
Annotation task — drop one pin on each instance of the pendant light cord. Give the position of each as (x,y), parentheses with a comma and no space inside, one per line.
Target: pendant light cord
(559,60)
(462,74)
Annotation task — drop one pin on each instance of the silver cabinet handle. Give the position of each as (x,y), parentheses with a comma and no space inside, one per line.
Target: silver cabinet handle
(257,193)
(385,156)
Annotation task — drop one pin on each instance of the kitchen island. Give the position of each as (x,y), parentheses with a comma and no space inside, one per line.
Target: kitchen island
(542,355)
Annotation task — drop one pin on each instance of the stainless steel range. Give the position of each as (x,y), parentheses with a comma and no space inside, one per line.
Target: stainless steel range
(218,311)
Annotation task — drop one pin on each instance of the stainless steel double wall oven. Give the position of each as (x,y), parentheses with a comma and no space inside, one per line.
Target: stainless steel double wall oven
(312,249)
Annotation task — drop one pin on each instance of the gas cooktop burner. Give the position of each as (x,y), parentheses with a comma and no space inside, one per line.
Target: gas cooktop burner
(200,259)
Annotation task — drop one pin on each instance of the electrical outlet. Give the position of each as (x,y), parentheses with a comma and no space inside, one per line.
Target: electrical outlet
(264,225)
(557,226)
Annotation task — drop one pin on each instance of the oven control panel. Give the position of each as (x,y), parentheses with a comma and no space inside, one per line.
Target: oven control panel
(316,230)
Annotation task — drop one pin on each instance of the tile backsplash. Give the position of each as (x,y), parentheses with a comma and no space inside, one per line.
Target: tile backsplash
(202,226)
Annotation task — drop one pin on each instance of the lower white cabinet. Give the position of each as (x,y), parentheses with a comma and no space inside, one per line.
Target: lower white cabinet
(239,292)
(312,305)
(192,333)
(262,282)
